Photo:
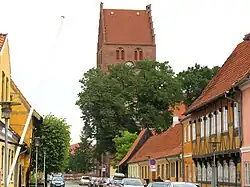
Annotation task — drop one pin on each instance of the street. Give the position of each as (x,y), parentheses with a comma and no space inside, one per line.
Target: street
(71,184)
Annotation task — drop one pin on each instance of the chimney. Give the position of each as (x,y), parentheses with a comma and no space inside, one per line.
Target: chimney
(175,120)
(247,37)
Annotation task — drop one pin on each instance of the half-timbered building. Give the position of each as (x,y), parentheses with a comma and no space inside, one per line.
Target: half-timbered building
(219,121)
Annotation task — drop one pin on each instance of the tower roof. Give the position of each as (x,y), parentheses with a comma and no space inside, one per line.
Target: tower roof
(2,40)
(128,26)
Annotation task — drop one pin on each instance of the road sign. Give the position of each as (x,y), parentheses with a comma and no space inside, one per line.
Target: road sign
(152,162)
(103,169)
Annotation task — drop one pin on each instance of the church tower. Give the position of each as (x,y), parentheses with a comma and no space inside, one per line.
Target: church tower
(125,36)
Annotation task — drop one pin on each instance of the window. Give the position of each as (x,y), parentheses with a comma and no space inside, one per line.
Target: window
(204,172)
(225,172)
(202,127)
(207,122)
(138,54)
(218,121)
(167,171)
(12,157)
(193,131)
(158,170)
(185,134)
(142,172)
(225,119)
(146,172)
(213,124)
(220,172)
(162,171)
(199,171)
(209,172)
(232,171)
(3,85)
(172,169)
(7,89)
(117,54)
(236,115)
(120,54)
(2,161)
(247,173)
(189,133)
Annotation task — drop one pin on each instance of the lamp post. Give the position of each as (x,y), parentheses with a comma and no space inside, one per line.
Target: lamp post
(37,144)
(214,175)
(6,110)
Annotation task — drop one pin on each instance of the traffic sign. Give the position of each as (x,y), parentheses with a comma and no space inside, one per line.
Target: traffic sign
(152,162)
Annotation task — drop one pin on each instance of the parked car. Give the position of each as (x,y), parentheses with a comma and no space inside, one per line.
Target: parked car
(182,184)
(57,182)
(159,184)
(92,181)
(84,180)
(131,182)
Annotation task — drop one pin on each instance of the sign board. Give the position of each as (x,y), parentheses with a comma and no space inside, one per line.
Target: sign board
(103,169)
(152,162)
(152,168)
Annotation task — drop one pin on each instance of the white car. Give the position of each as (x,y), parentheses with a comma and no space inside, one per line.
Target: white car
(84,180)
(131,182)
(182,184)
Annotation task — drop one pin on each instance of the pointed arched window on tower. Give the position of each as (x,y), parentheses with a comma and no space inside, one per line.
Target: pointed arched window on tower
(120,53)
(138,54)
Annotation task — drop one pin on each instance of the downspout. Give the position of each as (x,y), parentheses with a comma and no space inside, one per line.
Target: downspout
(20,142)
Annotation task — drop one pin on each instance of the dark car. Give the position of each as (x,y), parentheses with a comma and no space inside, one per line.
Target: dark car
(57,182)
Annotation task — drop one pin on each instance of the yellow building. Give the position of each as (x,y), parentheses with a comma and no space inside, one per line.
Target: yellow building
(189,166)
(18,119)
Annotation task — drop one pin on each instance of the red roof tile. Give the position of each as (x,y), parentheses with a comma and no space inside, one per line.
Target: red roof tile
(73,147)
(179,110)
(2,40)
(233,70)
(128,26)
(158,146)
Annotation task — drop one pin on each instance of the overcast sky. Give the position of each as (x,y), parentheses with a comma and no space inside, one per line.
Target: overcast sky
(46,66)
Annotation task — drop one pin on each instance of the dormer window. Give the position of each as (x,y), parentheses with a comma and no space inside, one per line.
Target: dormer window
(120,53)
(138,54)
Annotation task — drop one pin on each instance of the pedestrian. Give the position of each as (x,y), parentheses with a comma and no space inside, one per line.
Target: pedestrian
(159,179)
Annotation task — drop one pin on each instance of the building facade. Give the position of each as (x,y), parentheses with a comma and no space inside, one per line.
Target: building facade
(219,121)
(189,168)
(125,36)
(18,119)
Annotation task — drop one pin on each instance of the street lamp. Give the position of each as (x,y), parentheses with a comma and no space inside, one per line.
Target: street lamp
(6,110)
(37,144)
(214,176)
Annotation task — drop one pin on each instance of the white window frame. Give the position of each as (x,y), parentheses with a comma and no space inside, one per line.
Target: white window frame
(189,133)
(207,126)
(185,134)
(213,123)
(232,172)
(247,173)
(193,131)
(225,119)
(202,127)
(219,118)
(236,115)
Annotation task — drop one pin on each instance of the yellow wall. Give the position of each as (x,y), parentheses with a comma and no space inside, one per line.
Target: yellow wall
(4,69)
(134,170)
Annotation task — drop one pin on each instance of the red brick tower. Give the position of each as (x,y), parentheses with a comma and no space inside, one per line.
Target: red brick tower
(125,36)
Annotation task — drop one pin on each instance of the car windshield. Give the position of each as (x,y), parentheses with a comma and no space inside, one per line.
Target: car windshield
(86,178)
(133,182)
(57,179)
(184,185)
(159,184)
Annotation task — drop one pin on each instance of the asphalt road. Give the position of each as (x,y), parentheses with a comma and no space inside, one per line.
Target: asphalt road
(72,184)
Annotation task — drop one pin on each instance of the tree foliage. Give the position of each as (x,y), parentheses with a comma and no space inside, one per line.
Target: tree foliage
(127,98)
(194,80)
(55,142)
(122,145)
(83,158)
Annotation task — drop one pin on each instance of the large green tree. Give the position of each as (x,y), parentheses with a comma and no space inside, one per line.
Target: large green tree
(83,158)
(194,80)
(122,145)
(55,142)
(127,98)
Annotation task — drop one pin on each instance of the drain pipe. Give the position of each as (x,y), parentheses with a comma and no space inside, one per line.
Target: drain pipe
(20,142)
